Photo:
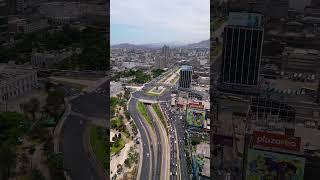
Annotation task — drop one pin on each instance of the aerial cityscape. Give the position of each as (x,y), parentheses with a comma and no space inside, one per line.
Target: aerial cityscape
(53,89)
(159,90)
(265,89)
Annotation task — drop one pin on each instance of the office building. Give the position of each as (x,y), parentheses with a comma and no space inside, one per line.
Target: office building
(48,59)
(15,81)
(160,62)
(166,54)
(269,8)
(3,21)
(185,77)
(242,48)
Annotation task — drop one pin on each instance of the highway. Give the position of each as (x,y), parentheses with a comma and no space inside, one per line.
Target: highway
(155,134)
(163,154)
(86,109)
(146,165)
(163,145)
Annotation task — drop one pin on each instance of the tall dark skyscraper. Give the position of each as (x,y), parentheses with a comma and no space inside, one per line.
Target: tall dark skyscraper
(165,53)
(242,47)
(185,77)
(3,20)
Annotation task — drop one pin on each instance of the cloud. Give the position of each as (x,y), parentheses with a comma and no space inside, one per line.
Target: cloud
(185,20)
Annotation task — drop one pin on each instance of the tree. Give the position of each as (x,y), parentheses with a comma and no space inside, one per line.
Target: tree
(127,114)
(7,159)
(36,175)
(56,166)
(195,141)
(127,163)
(32,107)
(126,94)
(157,72)
(54,102)
(119,96)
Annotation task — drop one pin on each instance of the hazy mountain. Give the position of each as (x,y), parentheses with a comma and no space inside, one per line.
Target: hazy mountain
(125,45)
(201,44)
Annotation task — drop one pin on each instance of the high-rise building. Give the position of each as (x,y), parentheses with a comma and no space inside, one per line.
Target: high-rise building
(185,77)
(163,59)
(160,62)
(166,53)
(242,47)
(269,8)
(3,20)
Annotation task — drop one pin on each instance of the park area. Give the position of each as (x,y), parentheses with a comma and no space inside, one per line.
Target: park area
(156,91)
(26,141)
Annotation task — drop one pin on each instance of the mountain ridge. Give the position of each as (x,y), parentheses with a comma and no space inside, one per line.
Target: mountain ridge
(201,44)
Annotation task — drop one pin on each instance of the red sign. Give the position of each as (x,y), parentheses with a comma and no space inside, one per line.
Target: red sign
(276,141)
(196,105)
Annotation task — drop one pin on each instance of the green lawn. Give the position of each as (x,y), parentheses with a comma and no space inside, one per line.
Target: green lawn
(156,108)
(99,144)
(143,112)
(116,122)
(174,81)
(117,146)
(152,94)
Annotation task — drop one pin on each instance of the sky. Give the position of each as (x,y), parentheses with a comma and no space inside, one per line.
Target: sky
(159,21)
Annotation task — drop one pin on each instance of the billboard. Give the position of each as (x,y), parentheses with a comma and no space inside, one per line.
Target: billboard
(197,105)
(264,165)
(253,20)
(195,117)
(276,141)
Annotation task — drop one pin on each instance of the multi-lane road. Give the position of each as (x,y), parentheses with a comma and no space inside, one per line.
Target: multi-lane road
(86,109)
(163,152)
(146,165)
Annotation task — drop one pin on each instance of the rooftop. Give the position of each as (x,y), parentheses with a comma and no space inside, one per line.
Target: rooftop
(9,72)
(253,20)
(186,67)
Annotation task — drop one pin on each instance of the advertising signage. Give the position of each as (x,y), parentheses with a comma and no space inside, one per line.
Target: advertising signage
(196,105)
(276,141)
(264,165)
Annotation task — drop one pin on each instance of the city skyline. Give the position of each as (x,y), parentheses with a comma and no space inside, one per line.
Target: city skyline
(148,22)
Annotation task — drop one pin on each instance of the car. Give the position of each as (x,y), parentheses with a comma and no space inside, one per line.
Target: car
(147,154)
